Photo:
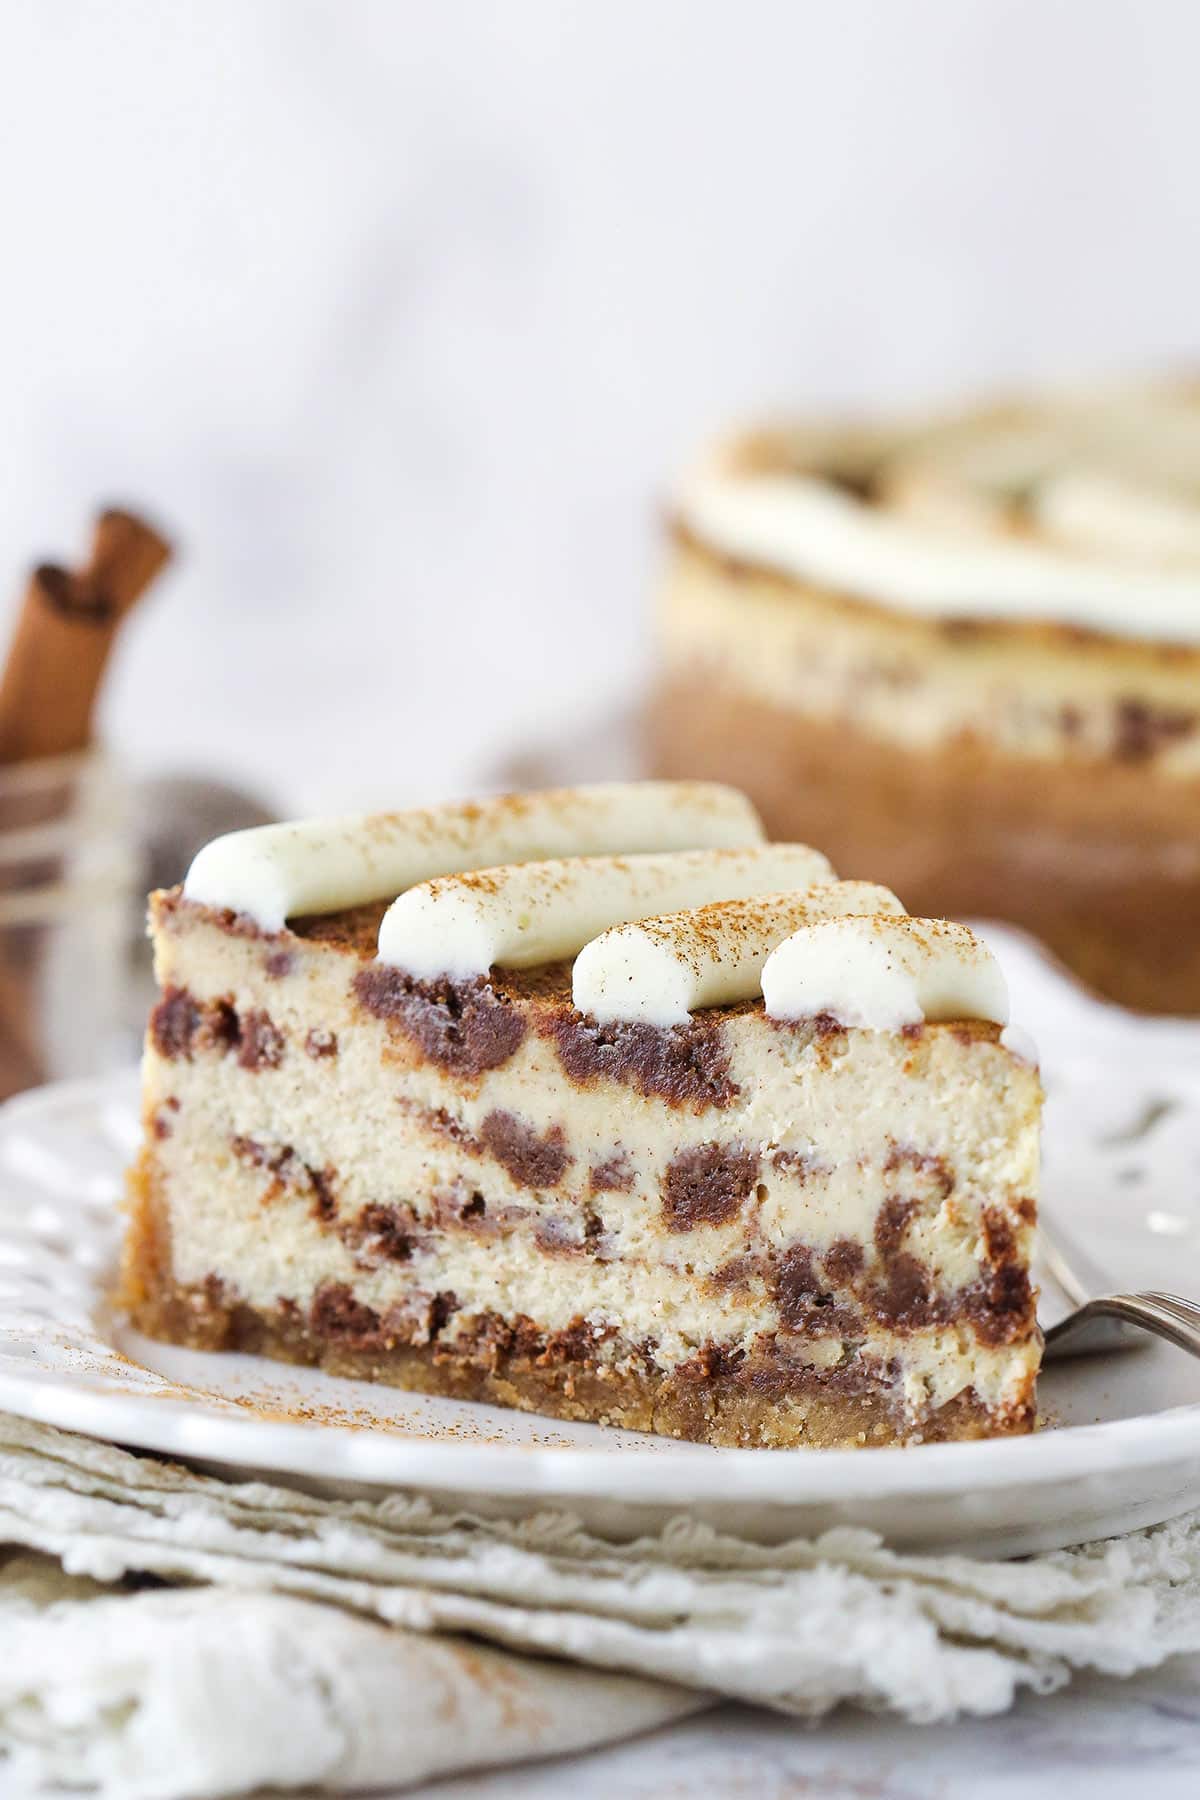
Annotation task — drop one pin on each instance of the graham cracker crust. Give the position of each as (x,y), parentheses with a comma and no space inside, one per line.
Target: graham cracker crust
(703,1404)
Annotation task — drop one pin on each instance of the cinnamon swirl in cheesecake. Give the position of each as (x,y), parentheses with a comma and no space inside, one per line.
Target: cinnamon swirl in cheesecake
(595,1103)
(965,658)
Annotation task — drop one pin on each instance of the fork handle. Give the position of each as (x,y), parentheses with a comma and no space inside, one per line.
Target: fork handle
(1165,1315)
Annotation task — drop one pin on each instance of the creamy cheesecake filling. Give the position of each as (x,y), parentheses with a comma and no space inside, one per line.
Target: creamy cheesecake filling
(687,1197)
(315,1138)
(633,1306)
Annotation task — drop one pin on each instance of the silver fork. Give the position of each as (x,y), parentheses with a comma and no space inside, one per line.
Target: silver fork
(1102,1321)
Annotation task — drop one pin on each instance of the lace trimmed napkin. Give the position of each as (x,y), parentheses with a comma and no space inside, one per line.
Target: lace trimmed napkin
(167,1633)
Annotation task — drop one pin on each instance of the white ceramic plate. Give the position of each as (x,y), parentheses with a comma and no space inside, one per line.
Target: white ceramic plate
(1122,1447)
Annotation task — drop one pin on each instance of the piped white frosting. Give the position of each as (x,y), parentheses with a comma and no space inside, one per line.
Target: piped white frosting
(657,933)
(529,913)
(881,974)
(276,872)
(814,532)
(662,969)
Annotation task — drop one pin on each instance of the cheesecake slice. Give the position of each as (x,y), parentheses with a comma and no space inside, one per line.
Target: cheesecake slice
(594,1104)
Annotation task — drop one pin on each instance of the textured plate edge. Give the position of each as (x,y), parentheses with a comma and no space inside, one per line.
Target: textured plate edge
(187,1429)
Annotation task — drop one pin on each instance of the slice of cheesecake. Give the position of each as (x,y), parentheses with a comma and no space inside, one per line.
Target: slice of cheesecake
(590,1103)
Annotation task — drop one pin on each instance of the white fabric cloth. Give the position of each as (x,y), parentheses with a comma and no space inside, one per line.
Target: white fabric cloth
(206,1691)
(320,1642)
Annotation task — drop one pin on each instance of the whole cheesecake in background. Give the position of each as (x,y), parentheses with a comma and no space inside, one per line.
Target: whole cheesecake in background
(592,1103)
(964,657)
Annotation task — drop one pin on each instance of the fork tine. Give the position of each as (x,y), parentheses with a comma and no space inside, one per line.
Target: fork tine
(1183,1309)
(1088,1329)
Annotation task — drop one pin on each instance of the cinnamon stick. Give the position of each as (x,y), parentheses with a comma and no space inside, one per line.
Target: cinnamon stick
(64,636)
(60,648)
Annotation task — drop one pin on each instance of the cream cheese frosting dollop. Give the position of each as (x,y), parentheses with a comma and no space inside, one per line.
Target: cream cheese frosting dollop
(882,973)
(276,872)
(528,913)
(662,969)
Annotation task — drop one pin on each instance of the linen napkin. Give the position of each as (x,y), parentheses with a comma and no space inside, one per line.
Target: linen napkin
(169,1633)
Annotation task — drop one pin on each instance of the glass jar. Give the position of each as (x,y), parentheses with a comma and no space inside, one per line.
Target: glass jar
(69,875)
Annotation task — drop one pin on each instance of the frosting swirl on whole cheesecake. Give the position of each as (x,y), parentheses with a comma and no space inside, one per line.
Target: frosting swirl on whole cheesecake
(1084,513)
(659,930)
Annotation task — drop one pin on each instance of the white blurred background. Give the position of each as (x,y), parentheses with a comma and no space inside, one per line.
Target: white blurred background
(400,314)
